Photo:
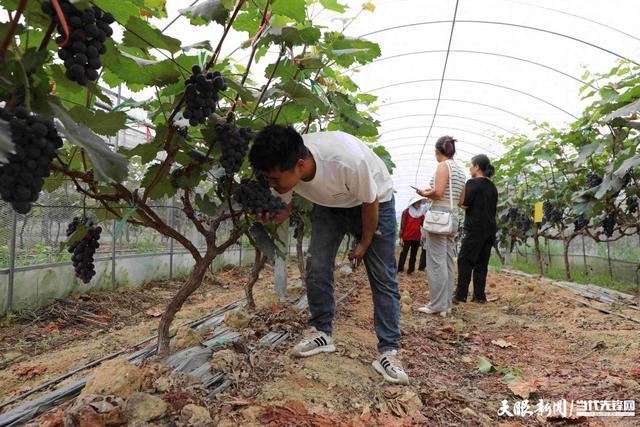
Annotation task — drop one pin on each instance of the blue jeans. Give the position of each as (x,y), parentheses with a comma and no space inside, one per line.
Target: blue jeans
(329,226)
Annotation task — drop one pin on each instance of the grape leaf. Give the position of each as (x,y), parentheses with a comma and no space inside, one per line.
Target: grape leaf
(139,33)
(625,111)
(204,44)
(107,165)
(334,5)
(485,366)
(101,122)
(292,8)
(263,241)
(208,206)
(120,9)
(122,67)
(204,12)
(77,235)
(6,145)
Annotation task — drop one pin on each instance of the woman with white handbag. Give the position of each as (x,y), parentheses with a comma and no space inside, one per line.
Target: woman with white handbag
(441,225)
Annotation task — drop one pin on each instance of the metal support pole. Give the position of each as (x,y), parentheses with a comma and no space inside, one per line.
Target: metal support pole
(584,258)
(113,257)
(281,263)
(12,261)
(172,221)
(115,223)
(609,260)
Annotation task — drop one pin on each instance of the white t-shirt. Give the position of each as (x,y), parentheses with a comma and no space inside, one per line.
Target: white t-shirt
(348,172)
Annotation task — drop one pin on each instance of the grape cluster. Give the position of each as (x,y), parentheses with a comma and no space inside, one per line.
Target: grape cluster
(84,249)
(632,205)
(234,144)
(626,179)
(88,28)
(524,223)
(551,213)
(36,142)
(513,214)
(580,223)
(593,180)
(256,197)
(608,224)
(201,95)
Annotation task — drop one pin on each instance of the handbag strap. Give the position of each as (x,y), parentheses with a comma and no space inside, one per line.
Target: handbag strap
(450,186)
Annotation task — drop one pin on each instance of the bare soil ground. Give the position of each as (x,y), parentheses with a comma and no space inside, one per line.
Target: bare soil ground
(539,343)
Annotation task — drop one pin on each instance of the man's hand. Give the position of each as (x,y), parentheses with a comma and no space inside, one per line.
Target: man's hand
(358,252)
(278,218)
(401,242)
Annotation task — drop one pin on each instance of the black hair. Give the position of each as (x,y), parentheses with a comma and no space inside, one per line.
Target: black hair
(277,146)
(483,162)
(446,146)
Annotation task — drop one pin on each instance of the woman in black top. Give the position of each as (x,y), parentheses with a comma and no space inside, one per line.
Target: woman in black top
(480,202)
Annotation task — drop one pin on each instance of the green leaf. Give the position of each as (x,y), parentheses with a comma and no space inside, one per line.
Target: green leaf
(76,236)
(107,165)
(147,152)
(6,144)
(347,51)
(263,241)
(120,225)
(485,366)
(204,45)
(629,164)
(625,111)
(122,67)
(248,21)
(509,378)
(291,36)
(205,12)
(122,10)
(208,206)
(585,152)
(4,28)
(292,8)
(106,123)
(141,34)
(608,94)
(334,5)
(382,152)
(302,95)
(245,94)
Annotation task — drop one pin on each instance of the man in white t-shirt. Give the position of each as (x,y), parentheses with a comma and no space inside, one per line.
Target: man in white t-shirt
(353,193)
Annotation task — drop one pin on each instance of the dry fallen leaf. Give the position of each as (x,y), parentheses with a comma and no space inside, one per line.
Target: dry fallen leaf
(51,328)
(501,343)
(523,388)
(154,312)
(29,371)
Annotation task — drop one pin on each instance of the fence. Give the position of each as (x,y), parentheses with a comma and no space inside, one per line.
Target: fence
(34,270)
(617,261)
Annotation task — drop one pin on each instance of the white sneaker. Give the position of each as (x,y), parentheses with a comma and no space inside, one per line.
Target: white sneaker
(388,365)
(314,342)
(427,310)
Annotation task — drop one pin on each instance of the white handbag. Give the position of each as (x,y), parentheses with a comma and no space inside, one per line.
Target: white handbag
(438,222)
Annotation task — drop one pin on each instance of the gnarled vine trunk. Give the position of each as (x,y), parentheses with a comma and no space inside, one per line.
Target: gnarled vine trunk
(258,265)
(536,241)
(192,283)
(565,254)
